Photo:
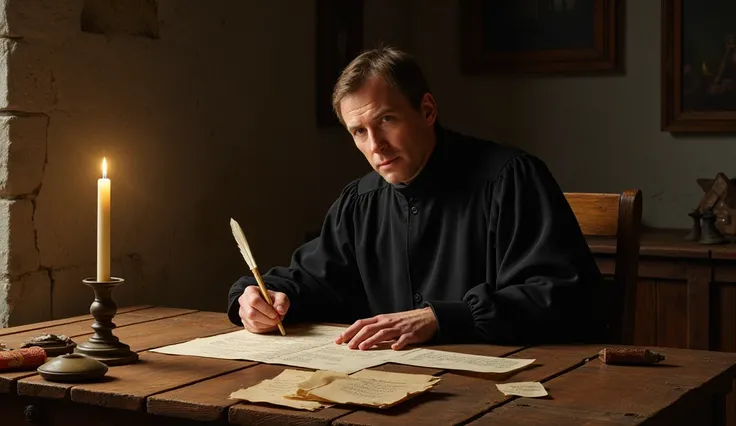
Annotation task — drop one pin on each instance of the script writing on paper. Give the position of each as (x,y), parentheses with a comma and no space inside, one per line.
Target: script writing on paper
(339,358)
(243,344)
(456,361)
(525,389)
(388,376)
(309,346)
(313,346)
(274,391)
(367,388)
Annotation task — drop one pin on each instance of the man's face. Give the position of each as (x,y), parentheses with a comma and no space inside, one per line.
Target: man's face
(395,138)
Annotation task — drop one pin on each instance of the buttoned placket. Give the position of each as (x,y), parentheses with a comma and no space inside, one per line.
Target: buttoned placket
(412,210)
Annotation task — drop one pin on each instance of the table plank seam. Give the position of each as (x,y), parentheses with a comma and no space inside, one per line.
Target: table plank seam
(515,351)
(532,404)
(224,412)
(438,374)
(117,327)
(492,407)
(176,342)
(12,384)
(194,382)
(70,321)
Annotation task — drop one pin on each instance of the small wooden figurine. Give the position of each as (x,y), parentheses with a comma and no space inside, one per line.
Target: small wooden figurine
(719,200)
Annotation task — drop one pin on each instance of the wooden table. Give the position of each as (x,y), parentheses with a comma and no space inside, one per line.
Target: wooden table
(686,293)
(688,388)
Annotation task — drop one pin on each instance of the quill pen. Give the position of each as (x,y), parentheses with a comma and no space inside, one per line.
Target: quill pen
(248,256)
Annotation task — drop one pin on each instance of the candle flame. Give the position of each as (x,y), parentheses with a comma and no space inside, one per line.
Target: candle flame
(104,167)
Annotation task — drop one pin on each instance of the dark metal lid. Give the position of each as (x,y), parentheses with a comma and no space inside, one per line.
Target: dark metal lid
(72,367)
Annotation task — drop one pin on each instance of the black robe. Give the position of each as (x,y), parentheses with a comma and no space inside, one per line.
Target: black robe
(484,236)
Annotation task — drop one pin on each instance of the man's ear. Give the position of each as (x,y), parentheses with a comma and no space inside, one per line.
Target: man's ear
(428,109)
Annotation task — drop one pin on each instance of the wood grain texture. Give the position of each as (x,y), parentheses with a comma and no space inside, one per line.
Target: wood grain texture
(619,216)
(246,413)
(142,337)
(723,251)
(177,329)
(672,314)
(646,314)
(725,318)
(183,390)
(61,321)
(640,391)
(128,386)
(51,412)
(527,413)
(699,278)
(79,330)
(209,400)
(693,295)
(463,395)
(725,310)
(597,214)
(724,272)
(486,350)
(659,268)
(658,242)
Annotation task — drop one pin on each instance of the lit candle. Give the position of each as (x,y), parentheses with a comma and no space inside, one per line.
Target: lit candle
(103,225)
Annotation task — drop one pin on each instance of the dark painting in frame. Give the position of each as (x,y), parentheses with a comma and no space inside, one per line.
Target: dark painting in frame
(339,40)
(698,66)
(539,36)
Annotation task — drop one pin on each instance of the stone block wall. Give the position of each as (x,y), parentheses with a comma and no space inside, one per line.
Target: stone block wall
(204,110)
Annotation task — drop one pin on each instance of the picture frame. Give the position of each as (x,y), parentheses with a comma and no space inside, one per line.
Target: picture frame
(539,36)
(697,94)
(339,39)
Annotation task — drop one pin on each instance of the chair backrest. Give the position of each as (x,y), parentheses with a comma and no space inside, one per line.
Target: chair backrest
(618,216)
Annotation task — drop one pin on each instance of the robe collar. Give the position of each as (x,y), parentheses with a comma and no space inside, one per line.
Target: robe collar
(432,171)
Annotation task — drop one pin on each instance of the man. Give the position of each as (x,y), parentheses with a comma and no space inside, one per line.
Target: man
(448,239)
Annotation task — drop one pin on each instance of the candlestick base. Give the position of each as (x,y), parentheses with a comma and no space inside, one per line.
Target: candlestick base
(103,345)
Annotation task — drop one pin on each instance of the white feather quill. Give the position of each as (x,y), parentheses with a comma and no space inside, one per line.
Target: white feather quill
(242,244)
(251,261)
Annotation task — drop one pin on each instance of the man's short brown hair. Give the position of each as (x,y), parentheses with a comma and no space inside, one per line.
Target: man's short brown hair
(398,69)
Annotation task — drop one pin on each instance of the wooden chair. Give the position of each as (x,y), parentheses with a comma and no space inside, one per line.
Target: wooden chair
(617,216)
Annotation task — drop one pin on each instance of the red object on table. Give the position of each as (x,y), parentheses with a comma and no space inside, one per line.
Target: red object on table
(22,358)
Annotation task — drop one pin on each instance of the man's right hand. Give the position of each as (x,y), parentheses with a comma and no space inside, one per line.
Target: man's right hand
(257,315)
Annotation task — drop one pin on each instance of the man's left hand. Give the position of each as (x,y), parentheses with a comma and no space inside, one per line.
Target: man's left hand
(407,327)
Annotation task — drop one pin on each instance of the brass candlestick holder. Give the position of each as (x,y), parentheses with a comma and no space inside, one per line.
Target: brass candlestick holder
(103,345)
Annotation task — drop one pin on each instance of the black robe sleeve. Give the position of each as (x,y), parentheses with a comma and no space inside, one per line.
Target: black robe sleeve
(542,266)
(322,280)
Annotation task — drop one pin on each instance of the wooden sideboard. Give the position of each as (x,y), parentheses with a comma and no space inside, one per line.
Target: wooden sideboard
(686,293)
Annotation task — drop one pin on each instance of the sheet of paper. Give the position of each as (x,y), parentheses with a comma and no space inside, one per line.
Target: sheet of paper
(455,361)
(312,346)
(272,391)
(527,389)
(369,392)
(388,376)
(318,379)
(338,358)
(245,345)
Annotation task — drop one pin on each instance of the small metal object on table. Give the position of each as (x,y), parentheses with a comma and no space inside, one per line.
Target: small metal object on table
(52,344)
(72,368)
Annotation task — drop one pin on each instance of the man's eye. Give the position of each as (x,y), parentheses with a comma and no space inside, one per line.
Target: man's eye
(359,132)
(386,118)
